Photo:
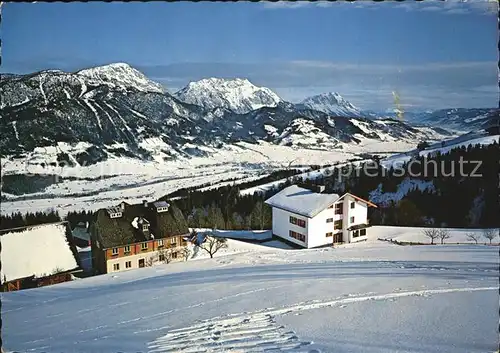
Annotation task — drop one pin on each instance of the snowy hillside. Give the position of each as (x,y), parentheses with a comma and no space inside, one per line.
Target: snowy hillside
(369,297)
(238,95)
(460,119)
(331,103)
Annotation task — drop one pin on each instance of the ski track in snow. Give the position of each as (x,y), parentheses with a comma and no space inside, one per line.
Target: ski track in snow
(67,93)
(258,331)
(15,129)
(95,113)
(43,92)
(121,118)
(136,113)
(107,114)
(84,87)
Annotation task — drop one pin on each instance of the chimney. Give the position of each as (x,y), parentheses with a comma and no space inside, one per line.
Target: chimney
(320,188)
(145,203)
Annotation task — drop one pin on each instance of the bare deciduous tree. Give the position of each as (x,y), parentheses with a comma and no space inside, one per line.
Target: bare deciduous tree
(431,233)
(186,253)
(149,261)
(165,256)
(472,236)
(443,234)
(212,244)
(490,234)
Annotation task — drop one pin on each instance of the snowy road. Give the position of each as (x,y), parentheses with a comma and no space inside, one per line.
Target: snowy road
(372,297)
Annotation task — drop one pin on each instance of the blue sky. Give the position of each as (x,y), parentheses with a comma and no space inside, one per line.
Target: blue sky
(434,54)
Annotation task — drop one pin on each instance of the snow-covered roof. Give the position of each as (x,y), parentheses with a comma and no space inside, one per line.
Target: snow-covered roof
(301,201)
(158,204)
(36,250)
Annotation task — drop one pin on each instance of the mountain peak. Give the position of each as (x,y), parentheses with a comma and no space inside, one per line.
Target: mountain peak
(238,94)
(331,103)
(120,75)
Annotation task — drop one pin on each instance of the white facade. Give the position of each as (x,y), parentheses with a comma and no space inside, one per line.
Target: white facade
(323,227)
(360,215)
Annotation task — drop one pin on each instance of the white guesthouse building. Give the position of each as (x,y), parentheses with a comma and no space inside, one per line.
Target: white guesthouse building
(311,219)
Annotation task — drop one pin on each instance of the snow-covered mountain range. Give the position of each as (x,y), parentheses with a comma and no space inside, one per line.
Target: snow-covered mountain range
(115,110)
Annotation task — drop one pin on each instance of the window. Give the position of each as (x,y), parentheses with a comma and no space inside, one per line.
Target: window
(127,249)
(174,255)
(329,220)
(329,234)
(337,224)
(355,234)
(144,227)
(128,264)
(144,246)
(160,243)
(362,232)
(338,208)
(161,257)
(298,222)
(116,267)
(297,236)
(353,204)
(114,251)
(352,219)
(141,263)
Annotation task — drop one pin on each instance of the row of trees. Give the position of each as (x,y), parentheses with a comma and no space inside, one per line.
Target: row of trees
(444,234)
(488,234)
(18,219)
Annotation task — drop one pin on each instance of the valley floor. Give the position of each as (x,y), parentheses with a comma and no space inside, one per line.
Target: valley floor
(369,297)
(107,183)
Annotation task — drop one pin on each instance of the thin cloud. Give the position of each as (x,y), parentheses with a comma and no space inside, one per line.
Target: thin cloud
(451,7)
(435,85)
(286,5)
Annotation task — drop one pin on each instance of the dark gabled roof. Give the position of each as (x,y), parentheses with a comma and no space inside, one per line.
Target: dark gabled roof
(120,231)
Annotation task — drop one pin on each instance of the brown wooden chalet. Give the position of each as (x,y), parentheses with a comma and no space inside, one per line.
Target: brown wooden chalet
(37,255)
(131,236)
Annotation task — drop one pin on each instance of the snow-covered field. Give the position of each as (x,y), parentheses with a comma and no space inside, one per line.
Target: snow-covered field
(368,297)
(470,139)
(416,235)
(134,180)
